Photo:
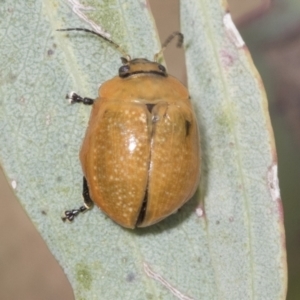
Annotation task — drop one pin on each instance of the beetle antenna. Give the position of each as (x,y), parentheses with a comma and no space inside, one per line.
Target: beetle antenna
(167,42)
(118,47)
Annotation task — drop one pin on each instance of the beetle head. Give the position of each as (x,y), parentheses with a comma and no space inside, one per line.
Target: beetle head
(140,66)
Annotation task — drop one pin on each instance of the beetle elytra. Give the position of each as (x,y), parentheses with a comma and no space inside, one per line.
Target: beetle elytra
(141,152)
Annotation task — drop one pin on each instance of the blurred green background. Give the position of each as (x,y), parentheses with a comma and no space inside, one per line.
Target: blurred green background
(271,30)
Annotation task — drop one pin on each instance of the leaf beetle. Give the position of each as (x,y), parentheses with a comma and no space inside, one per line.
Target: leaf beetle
(141,152)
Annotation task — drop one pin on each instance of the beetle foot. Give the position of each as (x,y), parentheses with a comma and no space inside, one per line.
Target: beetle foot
(69,215)
(72,97)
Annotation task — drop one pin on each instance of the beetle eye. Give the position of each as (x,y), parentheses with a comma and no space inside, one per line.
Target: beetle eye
(162,68)
(123,70)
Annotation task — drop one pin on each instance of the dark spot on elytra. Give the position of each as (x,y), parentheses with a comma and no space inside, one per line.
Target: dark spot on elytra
(150,107)
(187,127)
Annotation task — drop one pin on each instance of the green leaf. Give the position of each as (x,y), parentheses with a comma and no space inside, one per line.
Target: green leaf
(226,243)
(242,201)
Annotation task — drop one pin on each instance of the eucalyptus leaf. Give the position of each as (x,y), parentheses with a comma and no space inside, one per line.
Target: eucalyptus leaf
(228,241)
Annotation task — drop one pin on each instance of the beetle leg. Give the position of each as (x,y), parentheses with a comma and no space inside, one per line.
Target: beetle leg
(75,98)
(86,195)
(69,215)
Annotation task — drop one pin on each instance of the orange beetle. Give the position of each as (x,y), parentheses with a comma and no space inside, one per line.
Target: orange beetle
(141,152)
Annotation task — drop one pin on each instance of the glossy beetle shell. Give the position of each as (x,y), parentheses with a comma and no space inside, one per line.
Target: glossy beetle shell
(141,148)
